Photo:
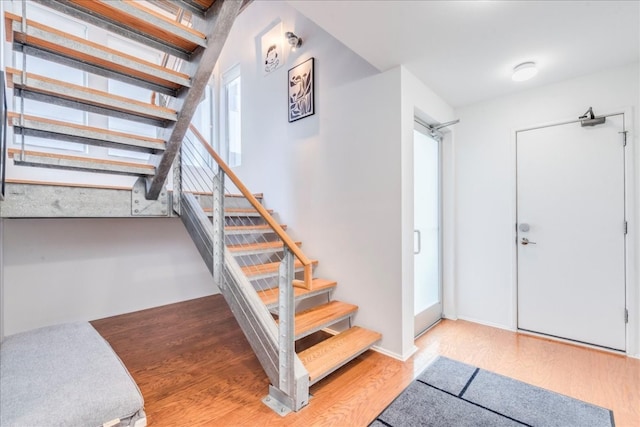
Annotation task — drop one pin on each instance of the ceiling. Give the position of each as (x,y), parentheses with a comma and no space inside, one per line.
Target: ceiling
(465,50)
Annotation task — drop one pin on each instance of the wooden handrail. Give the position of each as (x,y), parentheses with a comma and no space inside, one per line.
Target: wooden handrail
(288,241)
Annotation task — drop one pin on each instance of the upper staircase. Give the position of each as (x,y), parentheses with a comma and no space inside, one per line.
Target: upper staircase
(264,275)
(190,54)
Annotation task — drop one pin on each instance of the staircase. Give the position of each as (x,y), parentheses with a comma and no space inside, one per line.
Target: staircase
(262,271)
(264,275)
(259,255)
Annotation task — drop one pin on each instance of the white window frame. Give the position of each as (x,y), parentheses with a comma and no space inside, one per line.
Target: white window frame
(18,61)
(229,76)
(126,45)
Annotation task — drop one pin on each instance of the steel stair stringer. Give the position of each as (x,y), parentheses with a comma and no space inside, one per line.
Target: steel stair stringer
(219,21)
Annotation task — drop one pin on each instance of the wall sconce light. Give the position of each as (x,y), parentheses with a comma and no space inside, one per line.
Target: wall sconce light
(293,40)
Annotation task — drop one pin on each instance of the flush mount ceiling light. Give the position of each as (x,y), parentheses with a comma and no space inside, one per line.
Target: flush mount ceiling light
(294,41)
(524,71)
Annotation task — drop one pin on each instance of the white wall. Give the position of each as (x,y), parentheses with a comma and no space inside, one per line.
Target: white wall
(485,185)
(59,270)
(334,177)
(337,178)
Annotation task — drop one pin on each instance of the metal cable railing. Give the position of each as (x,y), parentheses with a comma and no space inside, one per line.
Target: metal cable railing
(253,260)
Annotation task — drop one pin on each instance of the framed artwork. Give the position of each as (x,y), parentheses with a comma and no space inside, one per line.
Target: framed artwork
(301,96)
(271,47)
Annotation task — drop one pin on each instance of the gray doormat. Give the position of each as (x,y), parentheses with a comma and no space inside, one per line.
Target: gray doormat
(451,393)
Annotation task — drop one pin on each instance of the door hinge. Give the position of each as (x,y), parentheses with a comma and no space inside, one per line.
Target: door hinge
(626,315)
(624,137)
(626,227)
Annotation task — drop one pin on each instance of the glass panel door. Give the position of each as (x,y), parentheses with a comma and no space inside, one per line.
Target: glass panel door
(426,217)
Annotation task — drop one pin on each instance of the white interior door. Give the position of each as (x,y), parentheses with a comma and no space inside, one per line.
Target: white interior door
(426,217)
(571,210)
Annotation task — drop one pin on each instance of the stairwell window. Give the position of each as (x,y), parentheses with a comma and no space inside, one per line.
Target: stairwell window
(35,65)
(232,117)
(130,91)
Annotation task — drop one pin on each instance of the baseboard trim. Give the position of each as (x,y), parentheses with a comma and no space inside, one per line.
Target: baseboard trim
(394,355)
(491,324)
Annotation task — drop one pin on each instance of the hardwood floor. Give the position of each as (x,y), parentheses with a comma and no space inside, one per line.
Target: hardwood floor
(195,368)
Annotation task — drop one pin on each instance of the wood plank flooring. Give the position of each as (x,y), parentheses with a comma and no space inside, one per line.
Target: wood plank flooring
(195,368)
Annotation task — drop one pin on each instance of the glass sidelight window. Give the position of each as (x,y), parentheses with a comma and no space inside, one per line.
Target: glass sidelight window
(427,253)
(231,111)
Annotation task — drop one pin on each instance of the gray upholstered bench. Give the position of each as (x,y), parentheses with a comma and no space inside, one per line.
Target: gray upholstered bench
(66,375)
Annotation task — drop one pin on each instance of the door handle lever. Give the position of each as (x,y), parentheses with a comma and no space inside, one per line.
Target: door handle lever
(526,241)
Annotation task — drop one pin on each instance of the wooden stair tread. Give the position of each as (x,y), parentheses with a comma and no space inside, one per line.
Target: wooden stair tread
(230,195)
(270,267)
(258,246)
(239,211)
(315,284)
(332,353)
(256,195)
(319,317)
(132,15)
(86,133)
(243,210)
(318,286)
(59,89)
(54,41)
(264,227)
(64,161)
(16,151)
(65,184)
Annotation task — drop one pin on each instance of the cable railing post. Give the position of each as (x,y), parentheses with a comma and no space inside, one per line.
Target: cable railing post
(177,182)
(286,322)
(3,135)
(218,228)
(24,82)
